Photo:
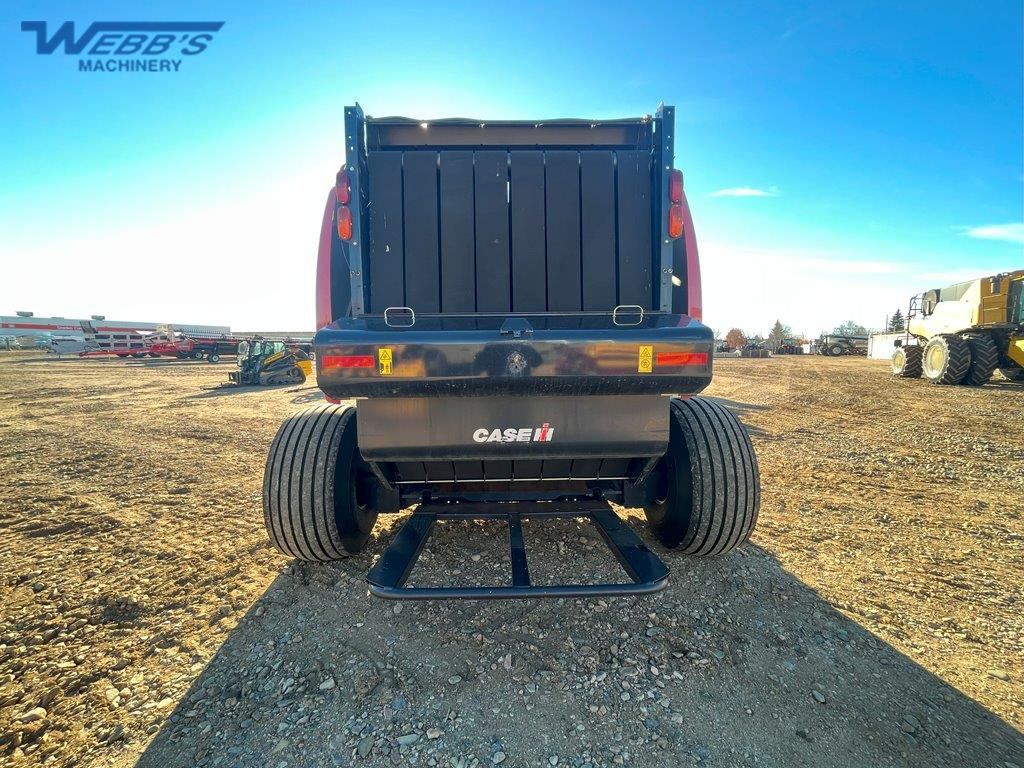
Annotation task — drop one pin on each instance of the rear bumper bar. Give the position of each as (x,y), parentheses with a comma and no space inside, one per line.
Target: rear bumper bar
(521,355)
(645,570)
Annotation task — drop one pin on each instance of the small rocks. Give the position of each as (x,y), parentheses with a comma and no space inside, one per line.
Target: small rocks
(498,758)
(364,746)
(33,715)
(818,696)
(999,674)
(909,724)
(328,684)
(434,733)
(408,739)
(454,680)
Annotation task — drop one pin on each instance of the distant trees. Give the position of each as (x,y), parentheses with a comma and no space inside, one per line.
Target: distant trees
(850,328)
(896,322)
(779,332)
(735,338)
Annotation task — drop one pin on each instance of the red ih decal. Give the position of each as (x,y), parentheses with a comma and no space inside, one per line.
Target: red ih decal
(544,434)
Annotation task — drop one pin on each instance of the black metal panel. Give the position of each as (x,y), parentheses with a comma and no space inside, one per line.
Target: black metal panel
(404,133)
(597,233)
(386,232)
(634,216)
(422,246)
(529,290)
(493,275)
(558,429)
(458,292)
(562,177)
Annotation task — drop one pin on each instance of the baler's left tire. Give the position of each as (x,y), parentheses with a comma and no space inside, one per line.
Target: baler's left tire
(705,493)
(310,505)
(213,357)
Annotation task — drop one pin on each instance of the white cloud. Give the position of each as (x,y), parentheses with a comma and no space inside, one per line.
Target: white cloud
(746,192)
(1010,233)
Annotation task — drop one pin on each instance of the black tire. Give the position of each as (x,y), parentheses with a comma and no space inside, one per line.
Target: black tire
(946,359)
(984,359)
(310,507)
(906,362)
(705,493)
(1013,374)
(197,355)
(213,357)
(836,350)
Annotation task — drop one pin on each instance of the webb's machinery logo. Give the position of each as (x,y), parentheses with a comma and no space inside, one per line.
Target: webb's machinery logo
(127,46)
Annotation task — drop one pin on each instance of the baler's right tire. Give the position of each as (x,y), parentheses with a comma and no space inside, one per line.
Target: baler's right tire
(836,350)
(946,359)
(984,359)
(906,362)
(213,357)
(310,505)
(705,493)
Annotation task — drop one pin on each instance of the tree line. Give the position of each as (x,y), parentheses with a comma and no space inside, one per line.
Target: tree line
(781,333)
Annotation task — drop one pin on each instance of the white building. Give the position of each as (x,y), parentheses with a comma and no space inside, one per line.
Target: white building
(27,324)
(882,345)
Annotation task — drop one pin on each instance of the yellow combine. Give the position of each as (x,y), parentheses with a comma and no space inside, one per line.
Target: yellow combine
(962,333)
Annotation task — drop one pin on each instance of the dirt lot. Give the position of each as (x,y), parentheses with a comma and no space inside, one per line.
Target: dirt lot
(876,619)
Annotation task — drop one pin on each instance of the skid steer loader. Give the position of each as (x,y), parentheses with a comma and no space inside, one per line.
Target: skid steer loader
(962,333)
(270,363)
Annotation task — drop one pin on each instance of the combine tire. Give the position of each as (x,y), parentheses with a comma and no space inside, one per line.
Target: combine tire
(704,495)
(946,359)
(213,357)
(984,359)
(906,362)
(197,355)
(1013,374)
(310,505)
(836,350)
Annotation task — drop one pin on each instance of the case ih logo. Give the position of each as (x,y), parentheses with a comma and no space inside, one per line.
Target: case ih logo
(542,434)
(151,45)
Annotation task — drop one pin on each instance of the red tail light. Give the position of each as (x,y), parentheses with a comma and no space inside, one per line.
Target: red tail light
(675,187)
(344,222)
(344,189)
(348,361)
(675,221)
(681,358)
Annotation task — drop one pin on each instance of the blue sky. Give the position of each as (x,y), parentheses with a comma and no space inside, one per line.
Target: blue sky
(838,156)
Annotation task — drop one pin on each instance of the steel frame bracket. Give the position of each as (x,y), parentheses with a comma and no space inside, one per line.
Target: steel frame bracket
(354,146)
(388,576)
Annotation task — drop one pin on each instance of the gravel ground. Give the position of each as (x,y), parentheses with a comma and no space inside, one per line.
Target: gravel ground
(875,619)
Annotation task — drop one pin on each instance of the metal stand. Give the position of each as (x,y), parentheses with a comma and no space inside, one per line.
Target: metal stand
(388,576)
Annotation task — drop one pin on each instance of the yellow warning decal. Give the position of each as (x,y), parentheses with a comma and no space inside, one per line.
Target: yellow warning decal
(646,362)
(384,357)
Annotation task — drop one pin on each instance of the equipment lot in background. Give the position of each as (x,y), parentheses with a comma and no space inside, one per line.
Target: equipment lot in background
(871,621)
